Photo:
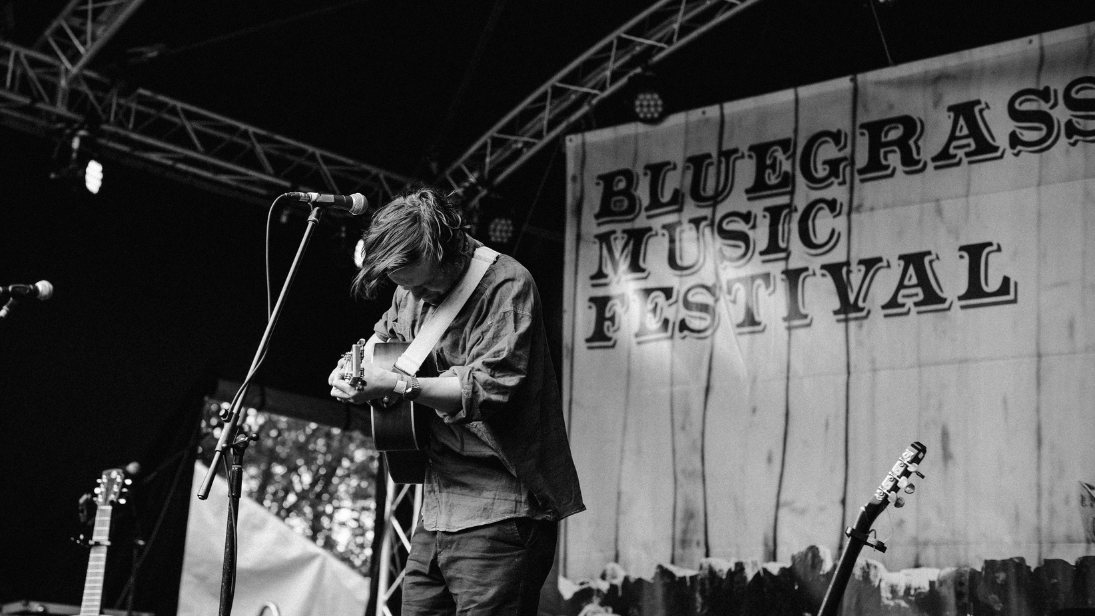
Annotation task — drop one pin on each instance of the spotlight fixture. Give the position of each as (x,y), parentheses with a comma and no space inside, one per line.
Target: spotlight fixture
(494,221)
(649,106)
(647,101)
(500,230)
(93,176)
(78,168)
(359,253)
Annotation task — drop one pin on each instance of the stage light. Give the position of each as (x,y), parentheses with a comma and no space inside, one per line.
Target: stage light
(93,176)
(500,230)
(78,168)
(494,221)
(359,253)
(647,102)
(649,106)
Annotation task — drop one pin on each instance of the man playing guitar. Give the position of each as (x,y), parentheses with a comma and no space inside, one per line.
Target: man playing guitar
(499,473)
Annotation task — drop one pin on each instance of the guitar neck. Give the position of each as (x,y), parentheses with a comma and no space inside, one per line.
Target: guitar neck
(92,603)
(896,480)
(831,603)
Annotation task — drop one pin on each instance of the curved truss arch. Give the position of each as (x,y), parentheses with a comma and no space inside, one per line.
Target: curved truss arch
(38,94)
(82,29)
(643,41)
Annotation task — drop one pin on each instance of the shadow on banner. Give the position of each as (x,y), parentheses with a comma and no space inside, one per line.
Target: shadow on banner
(1087,509)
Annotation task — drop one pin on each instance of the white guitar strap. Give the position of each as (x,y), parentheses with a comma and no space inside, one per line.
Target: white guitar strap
(431,332)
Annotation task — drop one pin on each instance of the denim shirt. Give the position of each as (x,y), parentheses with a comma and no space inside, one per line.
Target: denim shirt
(505,453)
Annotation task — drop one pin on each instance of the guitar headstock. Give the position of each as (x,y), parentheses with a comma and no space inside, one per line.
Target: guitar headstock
(351,368)
(112,488)
(898,478)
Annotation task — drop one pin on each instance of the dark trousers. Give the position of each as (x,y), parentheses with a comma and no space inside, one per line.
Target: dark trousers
(492,569)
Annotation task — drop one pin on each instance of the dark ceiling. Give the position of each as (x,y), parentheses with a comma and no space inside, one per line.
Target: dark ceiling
(401,85)
(396,83)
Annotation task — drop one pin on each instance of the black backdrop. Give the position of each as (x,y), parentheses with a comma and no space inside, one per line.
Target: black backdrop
(159,291)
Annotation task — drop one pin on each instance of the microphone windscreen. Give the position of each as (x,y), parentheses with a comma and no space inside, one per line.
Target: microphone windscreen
(360,204)
(45,289)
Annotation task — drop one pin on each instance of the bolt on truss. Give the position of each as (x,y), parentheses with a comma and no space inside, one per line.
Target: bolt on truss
(82,29)
(39,94)
(650,37)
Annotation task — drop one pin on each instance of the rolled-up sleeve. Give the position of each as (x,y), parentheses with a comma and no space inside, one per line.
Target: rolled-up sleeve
(496,369)
(507,443)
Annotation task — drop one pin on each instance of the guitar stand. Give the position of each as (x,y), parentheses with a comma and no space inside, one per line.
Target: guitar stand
(866,539)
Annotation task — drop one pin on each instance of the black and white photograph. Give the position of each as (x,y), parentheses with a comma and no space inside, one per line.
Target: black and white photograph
(647,308)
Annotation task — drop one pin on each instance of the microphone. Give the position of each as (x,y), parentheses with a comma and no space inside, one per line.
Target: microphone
(41,290)
(355,204)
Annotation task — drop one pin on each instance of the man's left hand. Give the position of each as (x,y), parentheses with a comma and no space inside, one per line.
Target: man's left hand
(374,383)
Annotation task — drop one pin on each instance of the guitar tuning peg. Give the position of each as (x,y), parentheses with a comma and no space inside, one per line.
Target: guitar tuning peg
(129,482)
(899,502)
(909,489)
(99,490)
(121,501)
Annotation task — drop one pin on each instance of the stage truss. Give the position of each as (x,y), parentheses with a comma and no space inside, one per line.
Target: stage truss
(82,29)
(642,42)
(396,543)
(40,94)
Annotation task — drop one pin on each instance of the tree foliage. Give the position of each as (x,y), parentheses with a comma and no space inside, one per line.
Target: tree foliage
(321,481)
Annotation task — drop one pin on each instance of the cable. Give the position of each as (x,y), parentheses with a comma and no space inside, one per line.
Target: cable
(233,532)
(536,199)
(480,47)
(881,34)
(129,589)
(269,299)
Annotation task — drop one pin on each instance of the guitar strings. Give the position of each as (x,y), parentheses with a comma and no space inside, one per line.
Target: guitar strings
(889,518)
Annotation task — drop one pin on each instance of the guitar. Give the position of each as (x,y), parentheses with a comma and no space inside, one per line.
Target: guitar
(112,488)
(896,480)
(401,429)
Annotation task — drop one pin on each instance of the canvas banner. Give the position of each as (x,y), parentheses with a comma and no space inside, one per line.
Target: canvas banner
(768,300)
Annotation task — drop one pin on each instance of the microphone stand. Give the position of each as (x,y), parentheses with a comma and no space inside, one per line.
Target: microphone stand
(232,437)
(7,308)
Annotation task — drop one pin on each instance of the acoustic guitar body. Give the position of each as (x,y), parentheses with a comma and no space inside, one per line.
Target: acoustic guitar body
(401,431)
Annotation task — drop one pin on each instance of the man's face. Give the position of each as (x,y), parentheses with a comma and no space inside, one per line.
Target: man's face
(424,279)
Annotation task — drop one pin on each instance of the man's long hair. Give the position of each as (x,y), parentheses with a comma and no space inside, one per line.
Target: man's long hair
(419,224)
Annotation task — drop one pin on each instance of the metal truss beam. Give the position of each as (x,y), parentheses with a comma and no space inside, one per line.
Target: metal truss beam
(82,29)
(647,39)
(38,93)
(396,543)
